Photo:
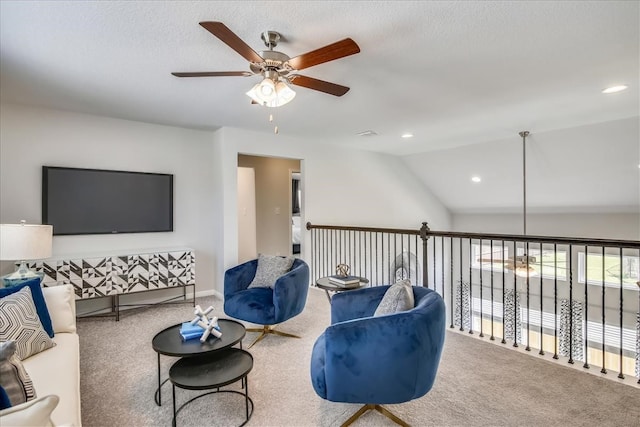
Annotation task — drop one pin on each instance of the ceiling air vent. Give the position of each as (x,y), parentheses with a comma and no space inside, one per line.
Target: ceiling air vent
(367,133)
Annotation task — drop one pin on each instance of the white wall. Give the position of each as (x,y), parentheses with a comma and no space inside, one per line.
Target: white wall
(622,226)
(340,186)
(33,137)
(247,242)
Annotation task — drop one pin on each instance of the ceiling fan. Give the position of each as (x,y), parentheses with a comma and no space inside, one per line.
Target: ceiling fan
(276,68)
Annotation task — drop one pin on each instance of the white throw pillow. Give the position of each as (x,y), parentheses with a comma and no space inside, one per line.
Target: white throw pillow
(399,297)
(36,412)
(61,303)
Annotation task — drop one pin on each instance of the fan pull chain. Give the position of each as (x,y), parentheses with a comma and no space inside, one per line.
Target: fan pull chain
(275,129)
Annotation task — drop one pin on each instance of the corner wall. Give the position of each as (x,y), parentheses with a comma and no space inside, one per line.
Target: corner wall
(33,137)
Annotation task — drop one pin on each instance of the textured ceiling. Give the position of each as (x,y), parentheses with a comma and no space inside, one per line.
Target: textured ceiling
(452,73)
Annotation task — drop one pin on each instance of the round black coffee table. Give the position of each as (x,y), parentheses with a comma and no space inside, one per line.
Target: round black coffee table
(328,286)
(212,371)
(169,343)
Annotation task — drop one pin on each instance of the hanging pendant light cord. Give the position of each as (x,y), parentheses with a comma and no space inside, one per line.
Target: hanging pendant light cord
(524,135)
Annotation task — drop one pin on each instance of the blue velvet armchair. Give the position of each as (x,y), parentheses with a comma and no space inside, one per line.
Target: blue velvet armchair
(378,360)
(266,306)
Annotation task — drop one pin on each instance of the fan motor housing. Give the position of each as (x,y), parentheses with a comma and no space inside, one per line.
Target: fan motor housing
(272,60)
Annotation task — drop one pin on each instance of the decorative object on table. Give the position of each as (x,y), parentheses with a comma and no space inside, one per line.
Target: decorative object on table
(23,242)
(201,325)
(344,281)
(267,306)
(342,270)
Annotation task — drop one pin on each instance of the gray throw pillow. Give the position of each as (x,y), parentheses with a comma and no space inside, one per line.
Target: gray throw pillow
(270,268)
(399,297)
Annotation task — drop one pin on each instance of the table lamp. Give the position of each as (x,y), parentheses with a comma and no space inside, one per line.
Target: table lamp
(23,242)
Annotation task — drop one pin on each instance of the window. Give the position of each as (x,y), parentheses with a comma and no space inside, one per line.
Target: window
(609,270)
(545,261)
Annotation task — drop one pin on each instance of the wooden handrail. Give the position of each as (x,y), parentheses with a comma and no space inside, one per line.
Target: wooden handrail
(613,243)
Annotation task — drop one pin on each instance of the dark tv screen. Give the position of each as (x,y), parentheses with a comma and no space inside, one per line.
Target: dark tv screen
(94,201)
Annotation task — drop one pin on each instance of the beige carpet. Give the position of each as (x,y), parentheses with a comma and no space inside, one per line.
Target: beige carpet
(478,384)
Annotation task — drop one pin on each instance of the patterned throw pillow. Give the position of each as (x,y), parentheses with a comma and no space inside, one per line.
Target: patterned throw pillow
(399,297)
(19,322)
(13,377)
(270,268)
(36,295)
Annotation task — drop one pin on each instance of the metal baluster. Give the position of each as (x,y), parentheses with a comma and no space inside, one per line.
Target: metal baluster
(461,285)
(620,374)
(442,266)
(492,337)
(504,340)
(470,290)
(586,308)
(604,358)
(425,267)
(528,348)
(314,253)
(376,245)
(541,352)
(451,281)
(570,305)
(435,287)
(555,301)
(481,301)
(516,309)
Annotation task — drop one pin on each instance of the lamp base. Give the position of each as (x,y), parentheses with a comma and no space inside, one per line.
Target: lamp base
(22,273)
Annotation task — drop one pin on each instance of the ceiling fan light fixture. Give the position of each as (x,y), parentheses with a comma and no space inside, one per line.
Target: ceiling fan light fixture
(271,93)
(525,271)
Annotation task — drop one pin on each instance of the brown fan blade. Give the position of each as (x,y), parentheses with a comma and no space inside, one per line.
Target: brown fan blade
(215,74)
(321,85)
(221,31)
(328,53)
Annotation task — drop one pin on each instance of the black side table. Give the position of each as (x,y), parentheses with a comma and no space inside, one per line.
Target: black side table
(212,372)
(169,343)
(328,286)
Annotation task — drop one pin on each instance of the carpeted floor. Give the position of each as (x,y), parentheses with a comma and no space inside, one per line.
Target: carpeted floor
(478,384)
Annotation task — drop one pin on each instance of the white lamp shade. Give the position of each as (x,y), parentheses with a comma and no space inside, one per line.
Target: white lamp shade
(20,242)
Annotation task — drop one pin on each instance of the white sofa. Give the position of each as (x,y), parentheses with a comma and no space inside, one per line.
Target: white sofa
(55,371)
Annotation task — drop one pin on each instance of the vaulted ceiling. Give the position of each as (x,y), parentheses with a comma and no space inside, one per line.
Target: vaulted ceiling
(462,77)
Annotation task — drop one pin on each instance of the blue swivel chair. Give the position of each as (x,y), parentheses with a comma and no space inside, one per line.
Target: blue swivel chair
(266,306)
(378,360)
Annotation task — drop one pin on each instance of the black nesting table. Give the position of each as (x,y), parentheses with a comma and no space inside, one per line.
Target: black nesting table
(212,371)
(168,342)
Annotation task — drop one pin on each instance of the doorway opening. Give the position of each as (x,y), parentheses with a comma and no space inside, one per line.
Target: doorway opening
(277,207)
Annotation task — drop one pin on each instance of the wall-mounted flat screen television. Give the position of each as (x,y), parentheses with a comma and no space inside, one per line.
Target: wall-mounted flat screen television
(95,201)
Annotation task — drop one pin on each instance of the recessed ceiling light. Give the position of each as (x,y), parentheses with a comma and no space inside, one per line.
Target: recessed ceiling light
(367,133)
(476,179)
(407,135)
(614,89)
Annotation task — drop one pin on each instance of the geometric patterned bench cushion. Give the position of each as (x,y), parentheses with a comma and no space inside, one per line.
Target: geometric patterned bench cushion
(121,274)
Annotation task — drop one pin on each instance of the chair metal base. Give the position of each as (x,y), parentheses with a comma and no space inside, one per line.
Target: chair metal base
(378,408)
(267,329)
